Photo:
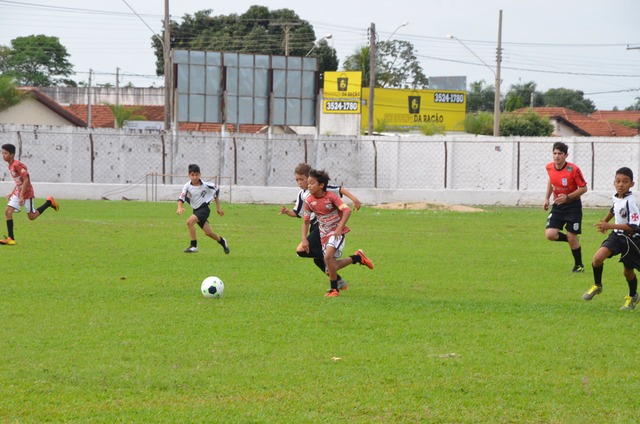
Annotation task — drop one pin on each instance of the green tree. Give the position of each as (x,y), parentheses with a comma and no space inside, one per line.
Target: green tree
(525,124)
(327,56)
(9,94)
(40,61)
(5,52)
(480,97)
(635,106)
(522,95)
(123,113)
(571,99)
(359,61)
(258,30)
(398,67)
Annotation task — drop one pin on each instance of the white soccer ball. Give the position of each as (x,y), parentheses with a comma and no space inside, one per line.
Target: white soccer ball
(212,287)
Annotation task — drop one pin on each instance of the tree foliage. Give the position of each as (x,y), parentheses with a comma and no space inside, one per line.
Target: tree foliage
(40,61)
(258,30)
(525,124)
(9,94)
(523,95)
(480,123)
(396,65)
(571,99)
(480,97)
(123,113)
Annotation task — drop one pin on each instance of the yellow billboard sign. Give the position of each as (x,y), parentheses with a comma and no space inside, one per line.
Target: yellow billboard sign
(402,109)
(342,92)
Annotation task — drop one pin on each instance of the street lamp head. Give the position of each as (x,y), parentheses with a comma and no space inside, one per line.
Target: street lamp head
(450,36)
(327,37)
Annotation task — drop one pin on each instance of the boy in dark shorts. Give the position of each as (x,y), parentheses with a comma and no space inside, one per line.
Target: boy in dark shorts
(567,185)
(623,240)
(199,194)
(301,175)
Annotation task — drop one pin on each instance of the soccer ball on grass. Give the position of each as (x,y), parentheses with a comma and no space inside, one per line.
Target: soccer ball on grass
(212,287)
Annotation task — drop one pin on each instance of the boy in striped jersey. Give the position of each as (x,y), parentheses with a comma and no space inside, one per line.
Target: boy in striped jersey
(199,194)
(332,215)
(623,239)
(301,175)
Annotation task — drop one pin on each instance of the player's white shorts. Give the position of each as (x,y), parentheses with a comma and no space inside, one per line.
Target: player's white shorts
(337,242)
(14,202)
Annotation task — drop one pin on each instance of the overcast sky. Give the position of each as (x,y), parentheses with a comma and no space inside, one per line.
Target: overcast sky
(587,45)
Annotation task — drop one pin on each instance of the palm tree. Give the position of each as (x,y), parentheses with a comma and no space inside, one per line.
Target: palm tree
(359,61)
(122,113)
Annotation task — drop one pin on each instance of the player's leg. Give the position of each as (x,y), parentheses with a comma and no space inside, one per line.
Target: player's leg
(191,225)
(598,266)
(206,227)
(552,229)
(12,206)
(315,252)
(49,203)
(330,260)
(631,300)
(574,229)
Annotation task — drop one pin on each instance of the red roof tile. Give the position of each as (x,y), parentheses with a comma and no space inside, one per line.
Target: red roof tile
(583,124)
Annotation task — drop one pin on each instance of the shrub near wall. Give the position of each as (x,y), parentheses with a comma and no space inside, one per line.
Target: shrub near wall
(528,124)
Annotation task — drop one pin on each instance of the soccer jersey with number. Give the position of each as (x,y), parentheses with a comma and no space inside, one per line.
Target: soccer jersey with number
(19,172)
(329,210)
(199,195)
(565,181)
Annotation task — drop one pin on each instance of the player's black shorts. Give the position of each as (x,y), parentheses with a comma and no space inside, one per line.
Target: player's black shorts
(315,245)
(202,213)
(627,247)
(571,219)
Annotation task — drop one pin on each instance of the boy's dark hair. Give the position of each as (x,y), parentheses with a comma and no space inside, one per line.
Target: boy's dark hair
(9,148)
(194,168)
(625,171)
(302,169)
(321,176)
(559,145)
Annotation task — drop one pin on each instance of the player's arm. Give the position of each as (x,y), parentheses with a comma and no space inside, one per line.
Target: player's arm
(604,225)
(218,208)
(545,204)
(304,244)
(356,203)
(181,200)
(577,193)
(26,185)
(285,211)
(346,213)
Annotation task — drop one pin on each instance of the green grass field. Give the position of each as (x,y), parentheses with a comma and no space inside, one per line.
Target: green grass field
(466,318)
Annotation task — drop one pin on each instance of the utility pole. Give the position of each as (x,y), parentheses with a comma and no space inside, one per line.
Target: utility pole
(89,99)
(166,54)
(286,27)
(372,73)
(115,118)
(496,106)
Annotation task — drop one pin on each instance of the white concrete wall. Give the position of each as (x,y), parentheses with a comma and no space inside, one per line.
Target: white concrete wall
(92,164)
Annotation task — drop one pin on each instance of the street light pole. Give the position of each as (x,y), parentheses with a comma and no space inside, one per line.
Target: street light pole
(326,37)
(496,102)
(496,73)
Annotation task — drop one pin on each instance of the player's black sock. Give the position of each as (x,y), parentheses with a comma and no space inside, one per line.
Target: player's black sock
(10,228)
(44,206)
(334,284)
(194,243)
(356,259)
(562,237)
(577,255)
(633,286)
(597,275)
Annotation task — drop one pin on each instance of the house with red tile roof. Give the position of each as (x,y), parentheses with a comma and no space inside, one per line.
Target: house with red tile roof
(569,123)
(36,108)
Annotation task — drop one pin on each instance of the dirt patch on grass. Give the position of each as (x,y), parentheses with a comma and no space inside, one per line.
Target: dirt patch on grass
(428,206)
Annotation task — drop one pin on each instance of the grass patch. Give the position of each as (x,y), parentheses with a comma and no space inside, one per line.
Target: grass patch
(467,317)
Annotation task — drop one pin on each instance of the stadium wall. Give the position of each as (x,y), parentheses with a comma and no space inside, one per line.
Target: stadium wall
(114,164)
